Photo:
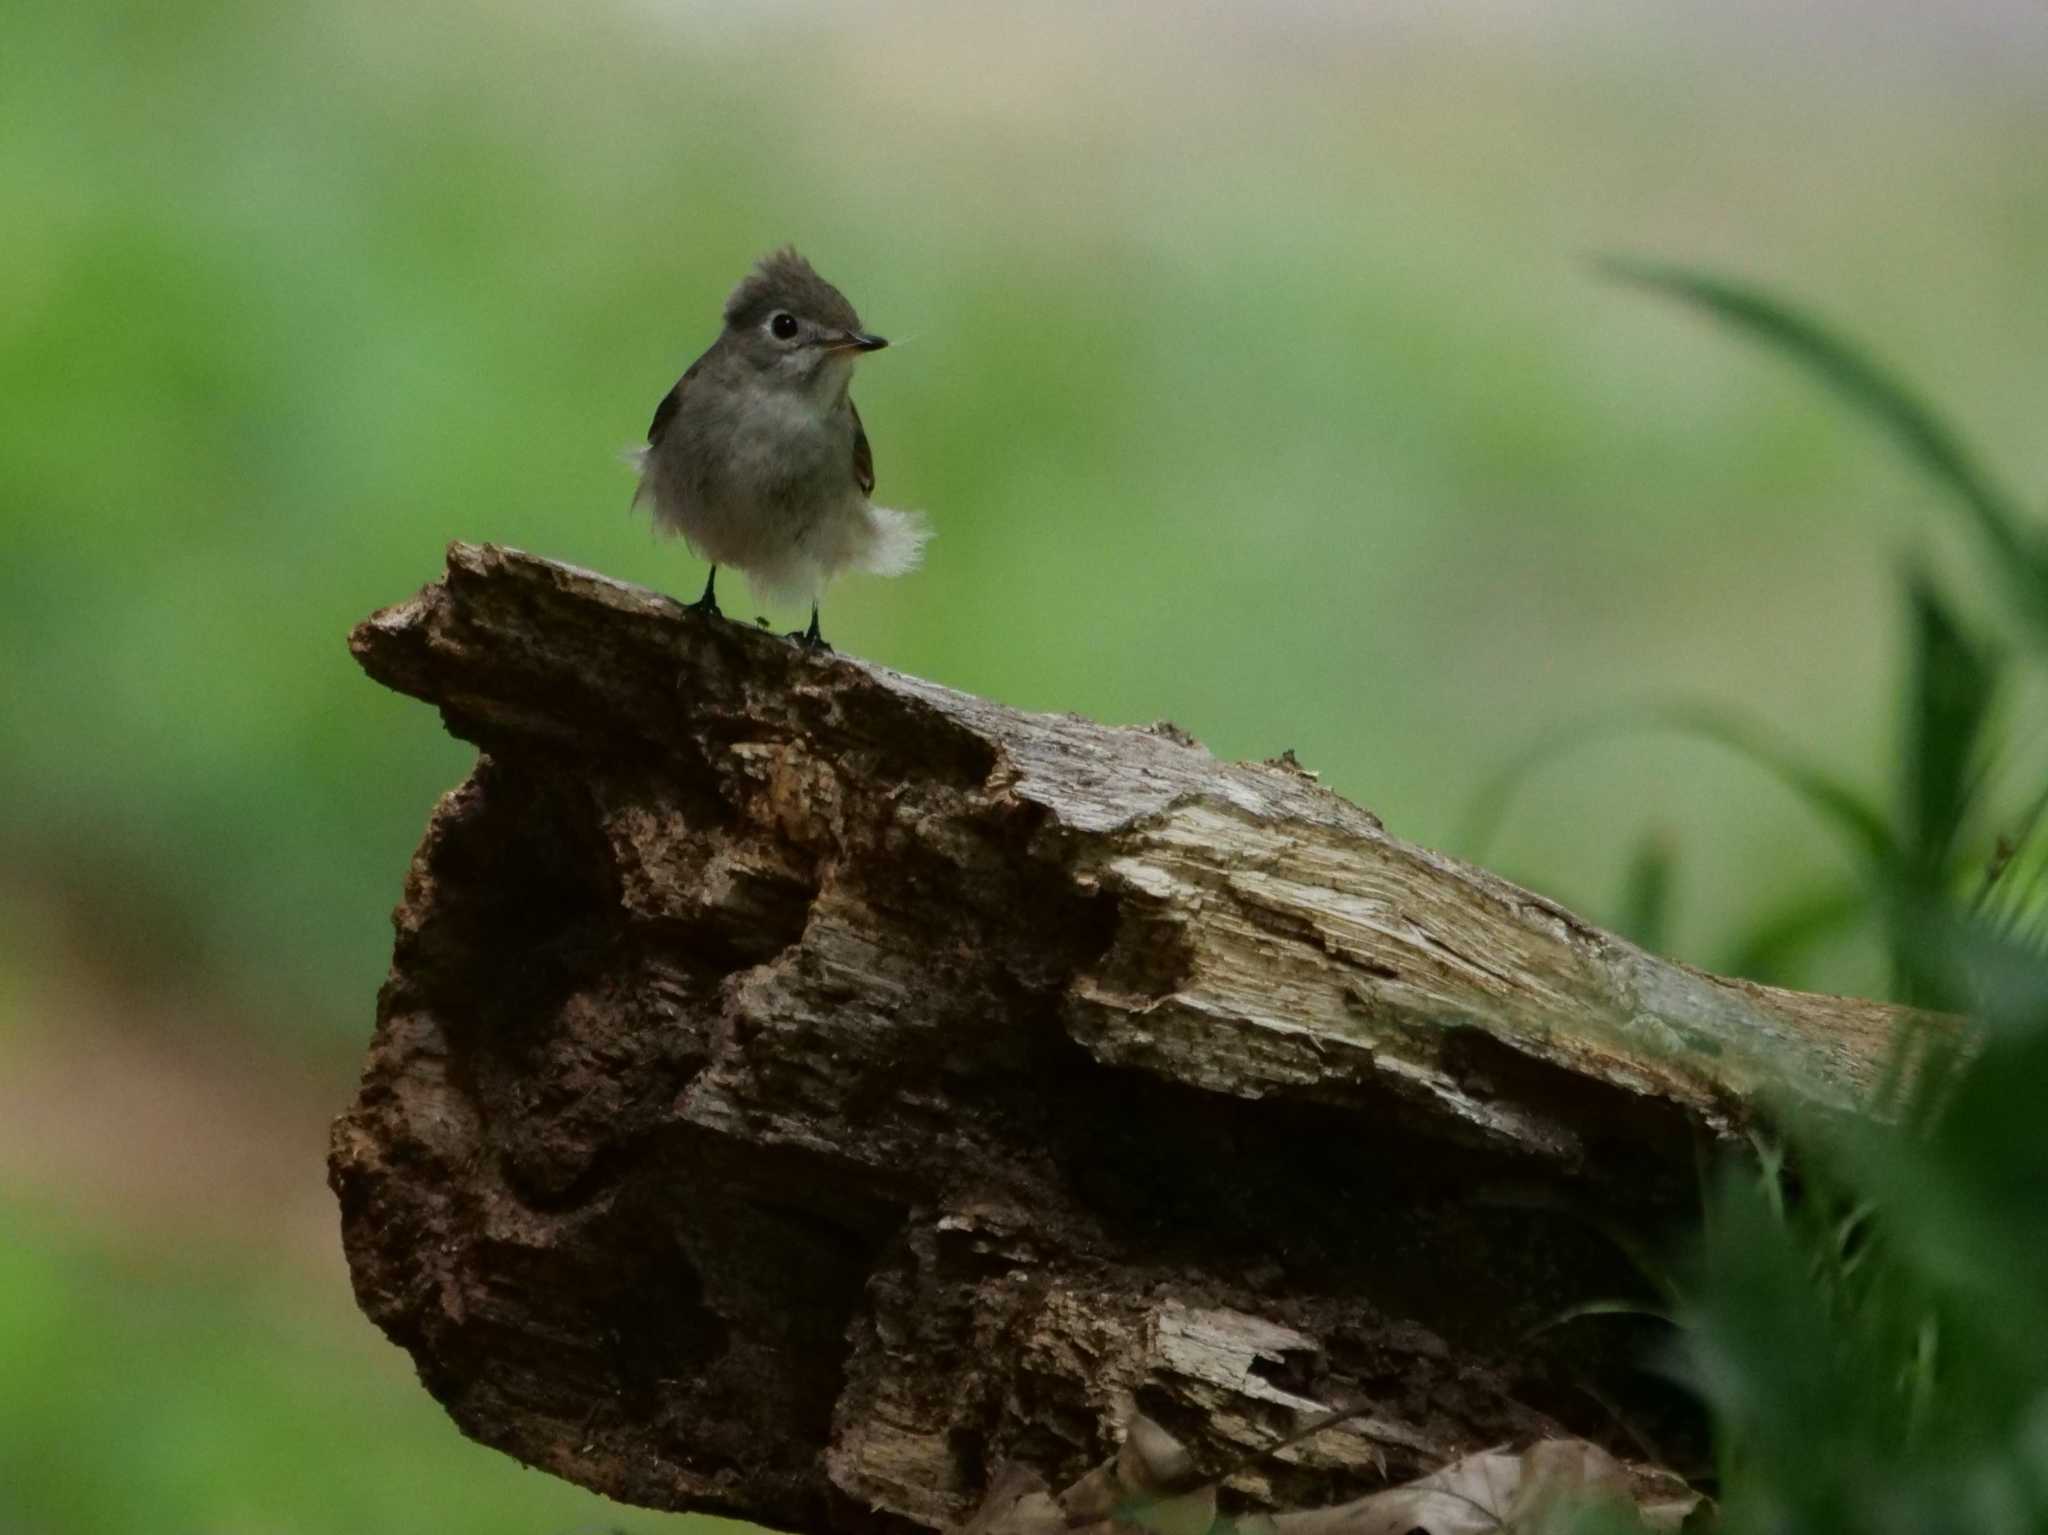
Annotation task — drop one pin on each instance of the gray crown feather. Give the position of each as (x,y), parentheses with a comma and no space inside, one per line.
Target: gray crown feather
(784,280)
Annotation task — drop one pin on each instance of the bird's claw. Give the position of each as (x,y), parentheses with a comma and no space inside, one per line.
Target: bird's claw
(707,605)
(810,641)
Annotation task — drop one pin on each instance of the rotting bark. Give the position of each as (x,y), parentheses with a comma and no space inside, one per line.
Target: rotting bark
(802,1089)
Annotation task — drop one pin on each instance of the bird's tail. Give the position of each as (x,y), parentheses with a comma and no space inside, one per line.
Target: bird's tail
(897,543)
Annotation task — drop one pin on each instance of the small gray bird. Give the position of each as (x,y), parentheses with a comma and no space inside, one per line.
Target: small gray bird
(757,456)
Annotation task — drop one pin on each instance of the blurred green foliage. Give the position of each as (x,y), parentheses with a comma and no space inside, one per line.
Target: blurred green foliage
(1251,375)
(1216,365)
(152,1395)
(1868,1322)
(1942,835)
(1870,1330)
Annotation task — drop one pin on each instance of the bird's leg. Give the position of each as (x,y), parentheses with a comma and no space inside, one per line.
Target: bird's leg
(810,639)
(708,603)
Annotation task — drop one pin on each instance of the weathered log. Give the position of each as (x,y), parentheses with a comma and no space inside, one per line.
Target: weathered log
(802,1089)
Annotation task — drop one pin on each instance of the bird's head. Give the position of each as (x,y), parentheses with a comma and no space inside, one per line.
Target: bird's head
(793,328)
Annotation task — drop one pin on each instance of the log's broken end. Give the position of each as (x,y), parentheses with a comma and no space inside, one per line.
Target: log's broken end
(803,1089)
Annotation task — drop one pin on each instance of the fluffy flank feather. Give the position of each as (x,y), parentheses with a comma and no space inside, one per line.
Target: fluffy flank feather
(898,542)
(636,458)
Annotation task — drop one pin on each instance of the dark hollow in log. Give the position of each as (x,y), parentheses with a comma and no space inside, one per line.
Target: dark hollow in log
(802,1089)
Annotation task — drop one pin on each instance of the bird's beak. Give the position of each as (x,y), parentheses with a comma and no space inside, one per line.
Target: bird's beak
(856,341)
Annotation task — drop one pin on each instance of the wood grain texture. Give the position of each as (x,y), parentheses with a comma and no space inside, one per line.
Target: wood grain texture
(802,1089)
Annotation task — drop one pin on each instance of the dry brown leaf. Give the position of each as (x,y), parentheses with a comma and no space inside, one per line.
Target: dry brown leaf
(1527,1493)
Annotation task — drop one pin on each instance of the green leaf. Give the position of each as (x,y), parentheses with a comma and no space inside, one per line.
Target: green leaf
(1948,704)
(1646,893)
(1923,436)
(1954,682)
(2012,892)
(1601,1308)
(1772,948)
(1853,816)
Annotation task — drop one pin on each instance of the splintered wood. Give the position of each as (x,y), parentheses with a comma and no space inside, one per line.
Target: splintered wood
(803,1090)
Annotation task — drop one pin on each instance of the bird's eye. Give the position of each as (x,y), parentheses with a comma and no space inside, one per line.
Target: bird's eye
(782,327)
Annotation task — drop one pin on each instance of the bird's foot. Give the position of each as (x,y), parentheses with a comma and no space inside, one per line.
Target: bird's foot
(810,641)
(708,603)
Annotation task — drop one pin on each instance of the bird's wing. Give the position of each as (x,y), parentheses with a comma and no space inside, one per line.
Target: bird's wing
(863,455)
(665,412)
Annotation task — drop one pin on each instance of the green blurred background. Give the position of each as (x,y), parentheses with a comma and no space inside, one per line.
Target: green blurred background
(1250,365)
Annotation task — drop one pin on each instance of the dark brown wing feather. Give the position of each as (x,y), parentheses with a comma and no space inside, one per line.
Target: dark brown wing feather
(665,412)
(863,455)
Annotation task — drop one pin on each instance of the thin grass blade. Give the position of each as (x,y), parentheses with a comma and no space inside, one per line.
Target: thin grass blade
(1928,441)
